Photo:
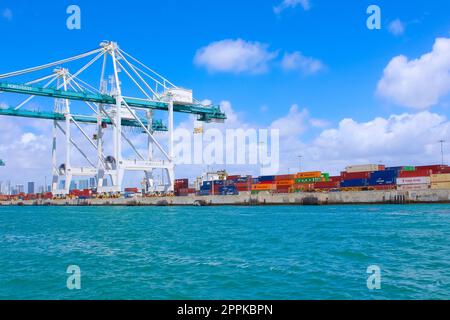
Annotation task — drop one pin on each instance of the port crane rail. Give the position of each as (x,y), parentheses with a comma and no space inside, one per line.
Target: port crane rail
(109,108)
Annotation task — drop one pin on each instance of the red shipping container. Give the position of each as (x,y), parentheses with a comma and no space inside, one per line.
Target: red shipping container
(335,179)
(243,184)
(414,174)
(285,177)
(355,175)
(434,168)
(326,185)
(233,177)
(133,190)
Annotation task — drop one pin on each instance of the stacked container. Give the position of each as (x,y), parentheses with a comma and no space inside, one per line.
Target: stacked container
(413,183)
(383,178)
(364,168)
(440,181)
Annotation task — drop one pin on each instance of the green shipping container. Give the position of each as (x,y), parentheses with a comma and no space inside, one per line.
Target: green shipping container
(308,180)
(409,168)
(326,177)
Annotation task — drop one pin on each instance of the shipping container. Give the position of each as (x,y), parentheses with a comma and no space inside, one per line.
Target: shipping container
(308,180)
(355,175)
(364,168)
(413,187)
(434,168)
(228,190)
(285,177)
(336,179)
(134,190)
(310,174)
(415,173)
(244,179)
(204,193)
(284,182)
(354,183)
(413,180)
(383,187)
(327,185)
(441,177)
(440,185)
(302,187)
(263,187)
(266,178)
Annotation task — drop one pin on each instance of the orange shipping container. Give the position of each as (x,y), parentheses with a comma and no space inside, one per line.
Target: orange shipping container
(287,183)
(263,187)
(310,174)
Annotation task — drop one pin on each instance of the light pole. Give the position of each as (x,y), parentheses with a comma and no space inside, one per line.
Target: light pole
(442,150)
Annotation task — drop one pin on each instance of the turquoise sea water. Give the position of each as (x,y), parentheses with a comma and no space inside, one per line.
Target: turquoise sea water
(279,252)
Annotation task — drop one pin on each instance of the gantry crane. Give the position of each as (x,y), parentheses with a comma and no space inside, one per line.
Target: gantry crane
(110,108)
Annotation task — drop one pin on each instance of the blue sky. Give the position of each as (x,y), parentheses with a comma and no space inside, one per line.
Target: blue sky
(167,35)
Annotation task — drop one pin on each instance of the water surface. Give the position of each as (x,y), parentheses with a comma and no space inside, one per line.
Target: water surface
(267,252)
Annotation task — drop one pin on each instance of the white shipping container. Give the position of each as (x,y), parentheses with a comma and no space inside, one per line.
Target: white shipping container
(413,187)
(413,180)
(362,168)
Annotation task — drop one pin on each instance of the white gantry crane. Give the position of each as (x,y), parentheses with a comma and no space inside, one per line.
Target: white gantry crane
(109,107)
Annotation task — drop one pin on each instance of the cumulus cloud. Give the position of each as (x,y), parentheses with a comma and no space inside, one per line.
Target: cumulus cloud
(286,4)
(396,27)
(419,83)
(7,14)
(296,61)
(398,139)
(236,56)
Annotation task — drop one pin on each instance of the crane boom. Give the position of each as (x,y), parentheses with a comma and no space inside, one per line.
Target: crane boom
(204,113)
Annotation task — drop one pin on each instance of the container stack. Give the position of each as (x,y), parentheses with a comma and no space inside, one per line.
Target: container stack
(440,181)
(413,179)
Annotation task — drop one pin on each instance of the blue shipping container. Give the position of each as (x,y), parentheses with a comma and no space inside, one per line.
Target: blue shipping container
(351,183)
(203,193)
(381,181)
(385,174)
(228,190)
(394,169)
(266,178)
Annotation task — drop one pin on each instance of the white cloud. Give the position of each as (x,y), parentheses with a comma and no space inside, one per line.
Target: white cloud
(399,139)
(297,61)
(292,124)
(291,4)
(419,83)
(7,14)
(236,56)
(28,138)
(396,27)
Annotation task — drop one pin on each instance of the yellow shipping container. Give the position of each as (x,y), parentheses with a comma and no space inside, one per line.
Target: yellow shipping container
(440,185)
(310,174)
(441,177)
